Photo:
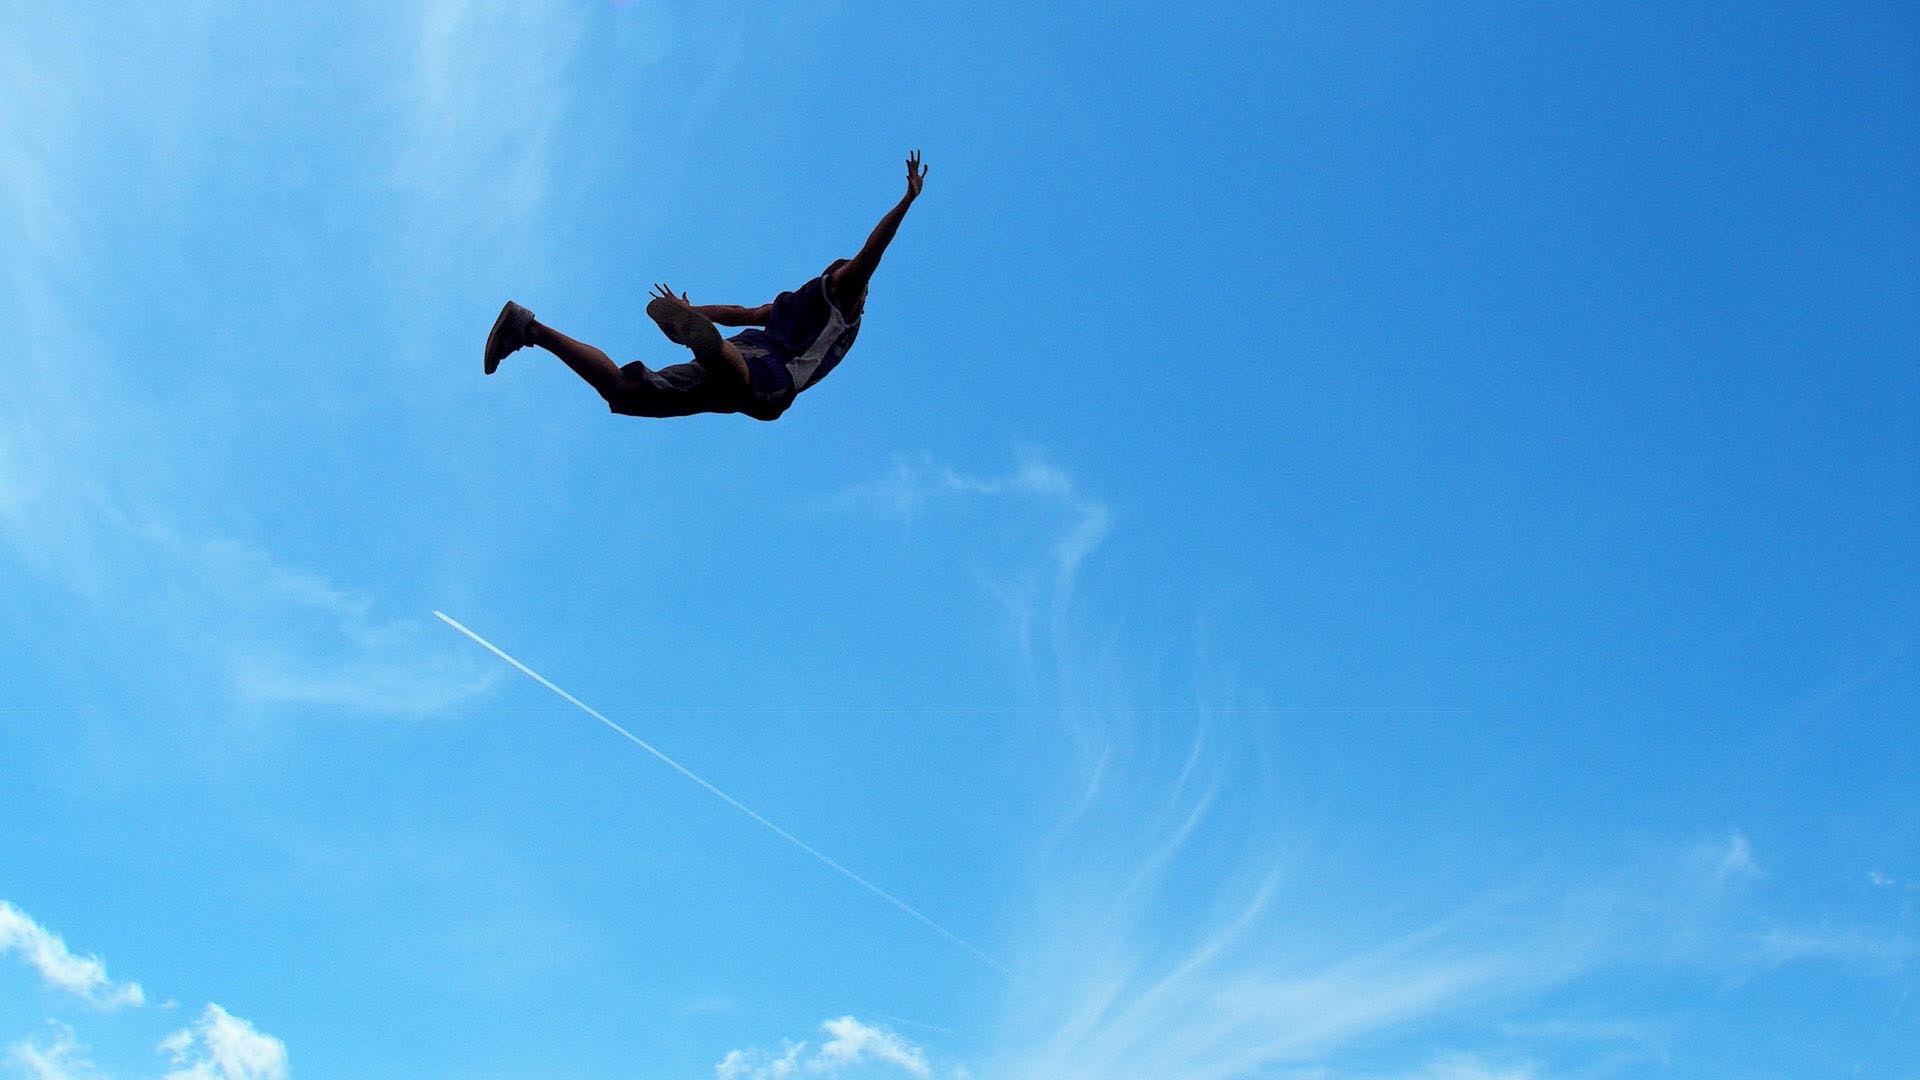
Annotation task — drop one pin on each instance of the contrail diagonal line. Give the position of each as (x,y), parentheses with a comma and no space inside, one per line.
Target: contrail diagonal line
(783,834)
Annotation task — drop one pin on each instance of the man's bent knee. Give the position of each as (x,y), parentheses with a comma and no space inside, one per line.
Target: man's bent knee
(623,402)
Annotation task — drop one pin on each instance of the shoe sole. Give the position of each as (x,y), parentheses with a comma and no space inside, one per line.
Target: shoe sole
(684,327)
(495,352)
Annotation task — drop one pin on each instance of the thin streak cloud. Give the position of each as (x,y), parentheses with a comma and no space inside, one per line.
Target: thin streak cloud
(975,951)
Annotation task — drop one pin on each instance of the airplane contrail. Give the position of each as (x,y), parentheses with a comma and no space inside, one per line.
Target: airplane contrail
(783,834)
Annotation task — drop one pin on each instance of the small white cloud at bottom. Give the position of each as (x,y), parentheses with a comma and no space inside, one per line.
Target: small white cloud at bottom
(758,1064)
(853,1042)
(222,1046)
(850,1044)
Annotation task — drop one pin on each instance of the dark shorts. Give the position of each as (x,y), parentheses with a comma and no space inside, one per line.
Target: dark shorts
(803,328)
(767,369)
(690,389)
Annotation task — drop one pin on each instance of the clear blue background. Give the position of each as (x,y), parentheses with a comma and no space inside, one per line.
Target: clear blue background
(1354,543)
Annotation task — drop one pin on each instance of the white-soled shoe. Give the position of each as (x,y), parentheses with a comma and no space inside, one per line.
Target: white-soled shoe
(509,333)
(685,326)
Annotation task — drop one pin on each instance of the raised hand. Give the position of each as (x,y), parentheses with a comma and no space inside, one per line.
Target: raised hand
(914,177)
(662,292)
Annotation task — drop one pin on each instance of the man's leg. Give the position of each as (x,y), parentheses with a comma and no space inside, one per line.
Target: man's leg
(685,326)
(588,362)
(631,390)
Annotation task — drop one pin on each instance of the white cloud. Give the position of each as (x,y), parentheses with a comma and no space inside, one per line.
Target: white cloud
(217,1046)
(58,1058)
(45,952)
(849,1046)
(222,1046)
(853,1042)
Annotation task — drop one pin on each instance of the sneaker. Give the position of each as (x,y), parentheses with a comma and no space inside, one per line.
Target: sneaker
(509,333)
(685,326)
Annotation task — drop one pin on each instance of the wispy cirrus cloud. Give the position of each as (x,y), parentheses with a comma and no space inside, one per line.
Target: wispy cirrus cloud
(1154,943)
(236,616)
(1186,923)
(91,496)
(1080,524)
(486,91)
(56,1056)
(1137,998)
(297,639)
(1187,926)
(1033,583)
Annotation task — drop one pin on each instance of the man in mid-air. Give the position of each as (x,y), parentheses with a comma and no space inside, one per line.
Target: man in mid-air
(799,337)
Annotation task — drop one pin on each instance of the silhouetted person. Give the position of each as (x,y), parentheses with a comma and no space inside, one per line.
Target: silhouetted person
(800,336)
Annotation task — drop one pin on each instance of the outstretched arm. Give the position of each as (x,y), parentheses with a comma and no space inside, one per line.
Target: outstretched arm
(718,314)
(850,280)
(735,315)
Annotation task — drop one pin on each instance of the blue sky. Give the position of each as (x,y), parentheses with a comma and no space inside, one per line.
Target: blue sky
(1354,545)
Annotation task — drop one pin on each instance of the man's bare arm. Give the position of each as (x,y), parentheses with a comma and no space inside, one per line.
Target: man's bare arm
(735,315)
(850,280)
